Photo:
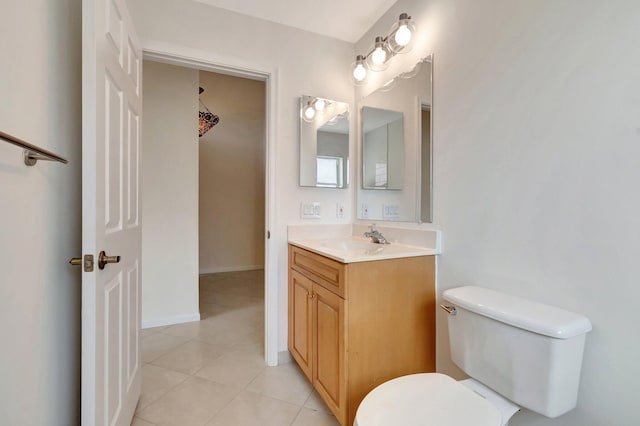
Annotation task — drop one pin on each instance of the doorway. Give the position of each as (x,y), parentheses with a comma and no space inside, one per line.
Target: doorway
(267,168)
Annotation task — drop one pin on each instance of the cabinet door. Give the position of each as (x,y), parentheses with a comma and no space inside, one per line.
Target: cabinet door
(329,350)
(300,311)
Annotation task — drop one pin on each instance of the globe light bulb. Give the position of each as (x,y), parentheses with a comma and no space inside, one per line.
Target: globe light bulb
(359,72)
(378,56)
(403,35)
(319,104)
(309,112)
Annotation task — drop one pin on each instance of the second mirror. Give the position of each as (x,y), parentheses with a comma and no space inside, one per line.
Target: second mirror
(324,142)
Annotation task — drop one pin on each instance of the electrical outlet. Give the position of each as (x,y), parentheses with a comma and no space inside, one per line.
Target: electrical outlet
(340,211)
(365,211)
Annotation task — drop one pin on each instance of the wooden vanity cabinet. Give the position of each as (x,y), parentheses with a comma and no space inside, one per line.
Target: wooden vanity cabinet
(354,326)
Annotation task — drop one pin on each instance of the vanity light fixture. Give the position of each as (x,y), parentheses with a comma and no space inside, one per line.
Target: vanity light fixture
(206,119)
(399,40)
(312,106)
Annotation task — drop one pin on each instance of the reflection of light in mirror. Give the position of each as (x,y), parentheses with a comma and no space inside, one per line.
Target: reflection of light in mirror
(309,112)
(388,85)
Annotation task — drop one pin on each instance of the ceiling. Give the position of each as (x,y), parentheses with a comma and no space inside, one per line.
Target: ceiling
(346,20)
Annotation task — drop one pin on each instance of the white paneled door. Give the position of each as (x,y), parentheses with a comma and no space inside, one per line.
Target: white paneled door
(111,125)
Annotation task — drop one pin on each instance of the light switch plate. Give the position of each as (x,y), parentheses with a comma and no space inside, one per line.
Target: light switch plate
(340,211)
(365,211)
(390,211)
(310,210)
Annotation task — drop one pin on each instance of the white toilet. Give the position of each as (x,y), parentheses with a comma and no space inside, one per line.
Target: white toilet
(519,354)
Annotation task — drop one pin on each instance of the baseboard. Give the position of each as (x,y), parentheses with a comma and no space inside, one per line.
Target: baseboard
(230,269)
(284,357)
(176,319)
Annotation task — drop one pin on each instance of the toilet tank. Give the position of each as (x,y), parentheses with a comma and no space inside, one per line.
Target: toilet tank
(529,352)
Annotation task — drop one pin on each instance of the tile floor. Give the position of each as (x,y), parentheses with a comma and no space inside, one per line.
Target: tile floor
(212,372)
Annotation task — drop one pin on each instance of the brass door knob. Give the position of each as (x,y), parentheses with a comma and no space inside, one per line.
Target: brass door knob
(103,259)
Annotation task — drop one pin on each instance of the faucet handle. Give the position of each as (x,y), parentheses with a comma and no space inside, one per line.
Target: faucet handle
(372,227)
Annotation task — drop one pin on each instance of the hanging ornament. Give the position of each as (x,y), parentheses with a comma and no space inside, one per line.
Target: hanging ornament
(206,119)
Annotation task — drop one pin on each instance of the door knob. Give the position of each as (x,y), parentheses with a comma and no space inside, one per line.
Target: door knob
(103,259)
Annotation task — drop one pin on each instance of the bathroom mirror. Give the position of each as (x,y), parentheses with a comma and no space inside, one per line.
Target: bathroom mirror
(405,105)
(324,142)
(382,148)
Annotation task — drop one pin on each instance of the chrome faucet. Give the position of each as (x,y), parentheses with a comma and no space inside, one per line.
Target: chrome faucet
(375,235)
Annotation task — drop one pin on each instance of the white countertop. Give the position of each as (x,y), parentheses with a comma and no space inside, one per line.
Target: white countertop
(356,249)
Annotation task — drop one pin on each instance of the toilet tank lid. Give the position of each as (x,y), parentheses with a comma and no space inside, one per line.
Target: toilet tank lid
(518,312)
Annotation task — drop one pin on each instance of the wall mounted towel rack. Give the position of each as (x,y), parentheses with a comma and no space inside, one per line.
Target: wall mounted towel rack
(32,153)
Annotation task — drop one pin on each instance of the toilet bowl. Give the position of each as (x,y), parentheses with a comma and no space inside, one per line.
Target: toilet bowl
(433,399)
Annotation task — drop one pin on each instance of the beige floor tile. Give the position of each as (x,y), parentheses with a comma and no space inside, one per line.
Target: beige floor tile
(146,332)
(158,344)
(316,403)
(236,369)
(157,381)
(309,417)
(193,402)
(250,409)
(285,382)
(253,343)
(208,311)
(188,357)
(187,329)
(252,315)
(230,299)
(139,422)
(224,333)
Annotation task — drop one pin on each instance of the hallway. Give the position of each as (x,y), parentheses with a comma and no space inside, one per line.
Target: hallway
(213,372)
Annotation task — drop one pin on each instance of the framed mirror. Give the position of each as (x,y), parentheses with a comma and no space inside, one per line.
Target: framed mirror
(395,136)
(324,142)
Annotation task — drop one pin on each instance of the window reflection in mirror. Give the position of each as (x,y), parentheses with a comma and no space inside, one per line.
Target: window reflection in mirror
(324,143)
(400,187)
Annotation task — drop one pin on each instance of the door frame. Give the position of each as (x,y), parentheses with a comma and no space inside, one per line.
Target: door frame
(203,61)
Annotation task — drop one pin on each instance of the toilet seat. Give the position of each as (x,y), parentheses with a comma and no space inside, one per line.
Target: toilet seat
(426,399)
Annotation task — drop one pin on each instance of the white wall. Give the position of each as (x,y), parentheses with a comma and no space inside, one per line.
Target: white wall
(536,169)
(40,221)
(300,62)
(169,194)
(232,168)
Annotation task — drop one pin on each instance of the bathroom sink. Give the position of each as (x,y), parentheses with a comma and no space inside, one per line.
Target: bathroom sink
(357,249)
(351,245)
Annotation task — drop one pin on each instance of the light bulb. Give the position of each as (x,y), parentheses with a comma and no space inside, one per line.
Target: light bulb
(379,56)
(309,112)
(359,72)
(403,35)
(319,104)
